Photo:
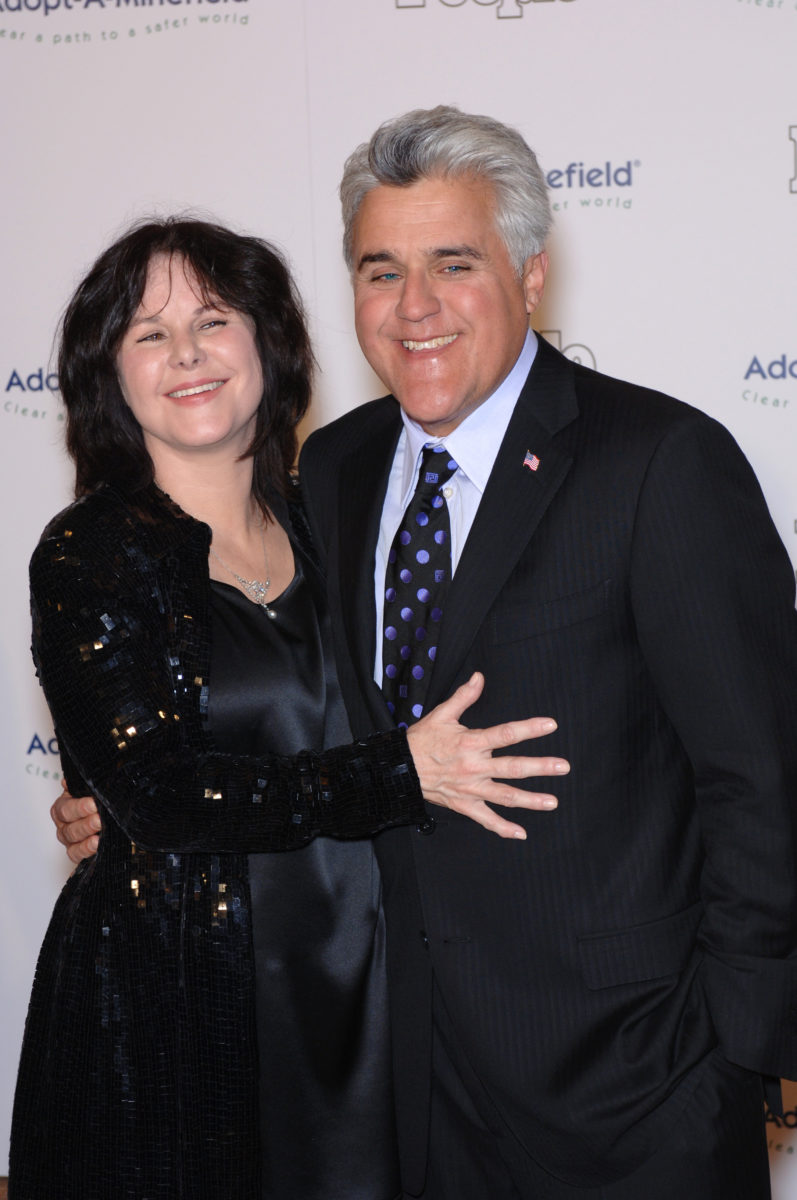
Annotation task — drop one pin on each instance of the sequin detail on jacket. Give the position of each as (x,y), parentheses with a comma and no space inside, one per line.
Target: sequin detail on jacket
(138,1078)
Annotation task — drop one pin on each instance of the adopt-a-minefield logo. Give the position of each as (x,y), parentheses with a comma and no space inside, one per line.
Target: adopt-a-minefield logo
(42,756)
(591,184)
(55,21)
(770,381)
(31,393)
(503,8)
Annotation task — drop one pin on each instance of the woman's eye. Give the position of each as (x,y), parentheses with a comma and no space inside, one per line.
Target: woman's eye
(213,323)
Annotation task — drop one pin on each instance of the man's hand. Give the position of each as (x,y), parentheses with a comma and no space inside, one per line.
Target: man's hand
(456,766)
(77,823)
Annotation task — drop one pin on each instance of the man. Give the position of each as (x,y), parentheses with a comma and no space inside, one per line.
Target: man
(587,1013)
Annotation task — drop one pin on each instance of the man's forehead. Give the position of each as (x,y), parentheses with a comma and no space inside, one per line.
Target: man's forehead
(442,217)
(462,189)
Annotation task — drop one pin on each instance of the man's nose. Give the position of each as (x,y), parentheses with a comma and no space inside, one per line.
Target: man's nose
(418,298)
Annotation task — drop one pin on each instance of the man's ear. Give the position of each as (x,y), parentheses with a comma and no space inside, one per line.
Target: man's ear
(534,269)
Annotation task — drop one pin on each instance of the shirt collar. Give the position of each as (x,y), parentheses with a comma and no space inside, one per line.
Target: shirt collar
(474,444)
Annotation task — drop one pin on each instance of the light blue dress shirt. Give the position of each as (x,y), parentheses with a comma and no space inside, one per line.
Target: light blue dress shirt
(474,446)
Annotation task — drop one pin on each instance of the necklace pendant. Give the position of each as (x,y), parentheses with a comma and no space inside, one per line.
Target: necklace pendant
(257,590)
(259,593)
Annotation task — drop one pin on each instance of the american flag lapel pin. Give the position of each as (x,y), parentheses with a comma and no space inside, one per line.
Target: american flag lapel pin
(531,461)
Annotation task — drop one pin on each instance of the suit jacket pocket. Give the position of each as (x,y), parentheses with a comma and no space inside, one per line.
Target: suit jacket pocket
(514,620)
(641,952)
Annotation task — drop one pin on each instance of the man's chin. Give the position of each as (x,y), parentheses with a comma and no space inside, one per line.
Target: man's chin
(436,415)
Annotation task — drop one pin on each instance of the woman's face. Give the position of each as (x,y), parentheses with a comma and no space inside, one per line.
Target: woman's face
(189,371)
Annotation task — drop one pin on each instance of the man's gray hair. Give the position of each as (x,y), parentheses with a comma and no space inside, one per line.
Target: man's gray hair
(443,142)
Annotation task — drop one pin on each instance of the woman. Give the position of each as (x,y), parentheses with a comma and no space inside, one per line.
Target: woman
(208,1020)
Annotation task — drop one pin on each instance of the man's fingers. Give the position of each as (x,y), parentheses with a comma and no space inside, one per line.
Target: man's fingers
(55,816)
(69,808)
(78,831)
(83,849)
(77,824)
(75,820)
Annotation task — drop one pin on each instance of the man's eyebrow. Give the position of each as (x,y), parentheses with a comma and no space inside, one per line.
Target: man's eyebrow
(378,256)
(438,252)
(457,252)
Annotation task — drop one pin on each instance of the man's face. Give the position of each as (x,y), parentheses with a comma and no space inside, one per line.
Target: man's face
(440,311)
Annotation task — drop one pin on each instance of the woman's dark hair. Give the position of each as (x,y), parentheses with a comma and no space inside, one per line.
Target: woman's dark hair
(245,273)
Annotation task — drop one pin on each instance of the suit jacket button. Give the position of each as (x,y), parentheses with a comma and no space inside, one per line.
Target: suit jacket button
(427,826)
(424,938)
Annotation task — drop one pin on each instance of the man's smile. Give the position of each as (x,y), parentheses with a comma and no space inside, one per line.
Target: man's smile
(431,344)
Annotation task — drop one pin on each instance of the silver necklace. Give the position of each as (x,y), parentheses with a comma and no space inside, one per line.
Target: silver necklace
(256,590)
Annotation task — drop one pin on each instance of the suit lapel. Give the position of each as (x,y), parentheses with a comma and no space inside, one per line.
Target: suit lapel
(514,501)
(363,482)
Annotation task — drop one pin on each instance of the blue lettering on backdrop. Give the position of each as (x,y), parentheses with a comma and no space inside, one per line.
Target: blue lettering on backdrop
(38,745)
(779,368)
(755,368)
(575,174)
(37,381)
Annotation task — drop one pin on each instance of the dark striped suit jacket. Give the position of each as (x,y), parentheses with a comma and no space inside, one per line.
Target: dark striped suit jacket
(634,588)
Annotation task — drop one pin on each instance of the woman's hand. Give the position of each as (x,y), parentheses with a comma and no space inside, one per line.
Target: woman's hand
(77,823)
(456,766)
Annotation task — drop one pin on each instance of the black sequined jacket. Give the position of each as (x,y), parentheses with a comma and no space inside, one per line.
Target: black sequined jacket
(138,1076)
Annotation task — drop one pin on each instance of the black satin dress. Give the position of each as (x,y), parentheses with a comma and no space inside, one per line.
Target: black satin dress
(326,1116)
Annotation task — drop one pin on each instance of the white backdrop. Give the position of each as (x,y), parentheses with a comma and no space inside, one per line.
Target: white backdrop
(669,133)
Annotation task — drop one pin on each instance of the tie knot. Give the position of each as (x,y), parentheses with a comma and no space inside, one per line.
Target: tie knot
(437,467)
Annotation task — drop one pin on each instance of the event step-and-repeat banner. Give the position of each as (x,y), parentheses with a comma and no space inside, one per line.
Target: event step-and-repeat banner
(669,137)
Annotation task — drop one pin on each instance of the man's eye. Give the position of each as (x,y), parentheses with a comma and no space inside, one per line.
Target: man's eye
(454,268)
(386,277)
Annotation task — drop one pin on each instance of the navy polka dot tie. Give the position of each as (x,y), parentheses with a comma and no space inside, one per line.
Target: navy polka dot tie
(416,580)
